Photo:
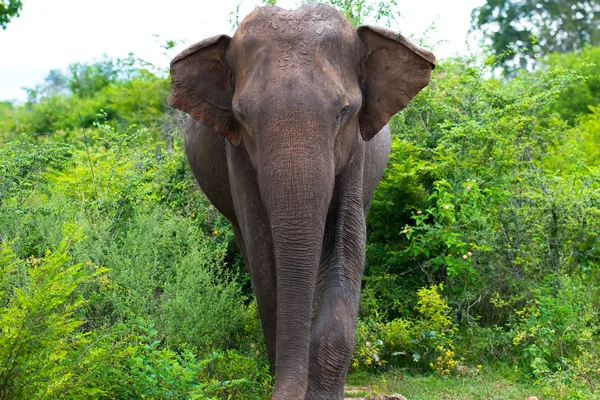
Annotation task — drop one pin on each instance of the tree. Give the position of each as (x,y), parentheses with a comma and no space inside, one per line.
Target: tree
(521,32)
(9,9)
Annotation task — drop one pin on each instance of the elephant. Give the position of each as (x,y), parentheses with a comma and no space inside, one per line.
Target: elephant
(288,138)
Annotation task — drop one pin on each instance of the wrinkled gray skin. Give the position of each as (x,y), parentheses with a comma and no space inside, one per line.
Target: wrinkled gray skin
(288,139)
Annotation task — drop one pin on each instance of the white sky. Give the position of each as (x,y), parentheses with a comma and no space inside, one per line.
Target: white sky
(53,34)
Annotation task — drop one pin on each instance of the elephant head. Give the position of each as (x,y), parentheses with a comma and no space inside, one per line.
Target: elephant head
(300,93)
(311,58)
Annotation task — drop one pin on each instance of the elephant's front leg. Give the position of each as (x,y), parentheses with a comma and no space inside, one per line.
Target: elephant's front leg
(337,296)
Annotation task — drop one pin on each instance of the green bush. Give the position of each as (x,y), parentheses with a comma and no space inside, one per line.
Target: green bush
(150,324)
(132,362)
(489,192)
(556,334)
(256,379)
(177,281)
(23,164)
(425,341)
(45,354)
(576,98)
(41,346)
(474,197)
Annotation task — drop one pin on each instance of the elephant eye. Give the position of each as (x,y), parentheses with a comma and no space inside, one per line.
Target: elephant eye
(344,109)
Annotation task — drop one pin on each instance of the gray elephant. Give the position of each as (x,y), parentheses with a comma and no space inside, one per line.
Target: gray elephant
(288,138)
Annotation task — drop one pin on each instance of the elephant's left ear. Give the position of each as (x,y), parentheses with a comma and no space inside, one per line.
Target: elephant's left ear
(395,71)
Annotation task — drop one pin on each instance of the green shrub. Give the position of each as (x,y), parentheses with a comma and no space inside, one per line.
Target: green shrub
(479,195)
(576,98)
(251,374)
(556,335)
(419,342)
(149,325)
(579,151)
(369,350)
(46,354)
(23,165)
(132,362)
(41,346)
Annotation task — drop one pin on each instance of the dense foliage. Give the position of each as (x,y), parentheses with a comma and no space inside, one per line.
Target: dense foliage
(114,279)
(582,94)
(494,195)
(119,280)
(522,32)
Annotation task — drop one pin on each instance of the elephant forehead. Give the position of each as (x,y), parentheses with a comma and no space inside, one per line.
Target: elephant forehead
(276,21)
(291,40)
(294,30)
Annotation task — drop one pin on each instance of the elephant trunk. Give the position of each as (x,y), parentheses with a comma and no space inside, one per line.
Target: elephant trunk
(296,190)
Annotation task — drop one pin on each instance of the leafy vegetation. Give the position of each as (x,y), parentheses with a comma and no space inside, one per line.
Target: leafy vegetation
(106,221)
(490,192)
(118,279)
(583,93)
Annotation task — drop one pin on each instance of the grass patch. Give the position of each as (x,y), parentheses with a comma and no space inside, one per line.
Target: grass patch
(488,385)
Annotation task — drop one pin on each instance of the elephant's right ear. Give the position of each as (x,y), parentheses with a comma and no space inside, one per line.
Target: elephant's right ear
(201,86)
